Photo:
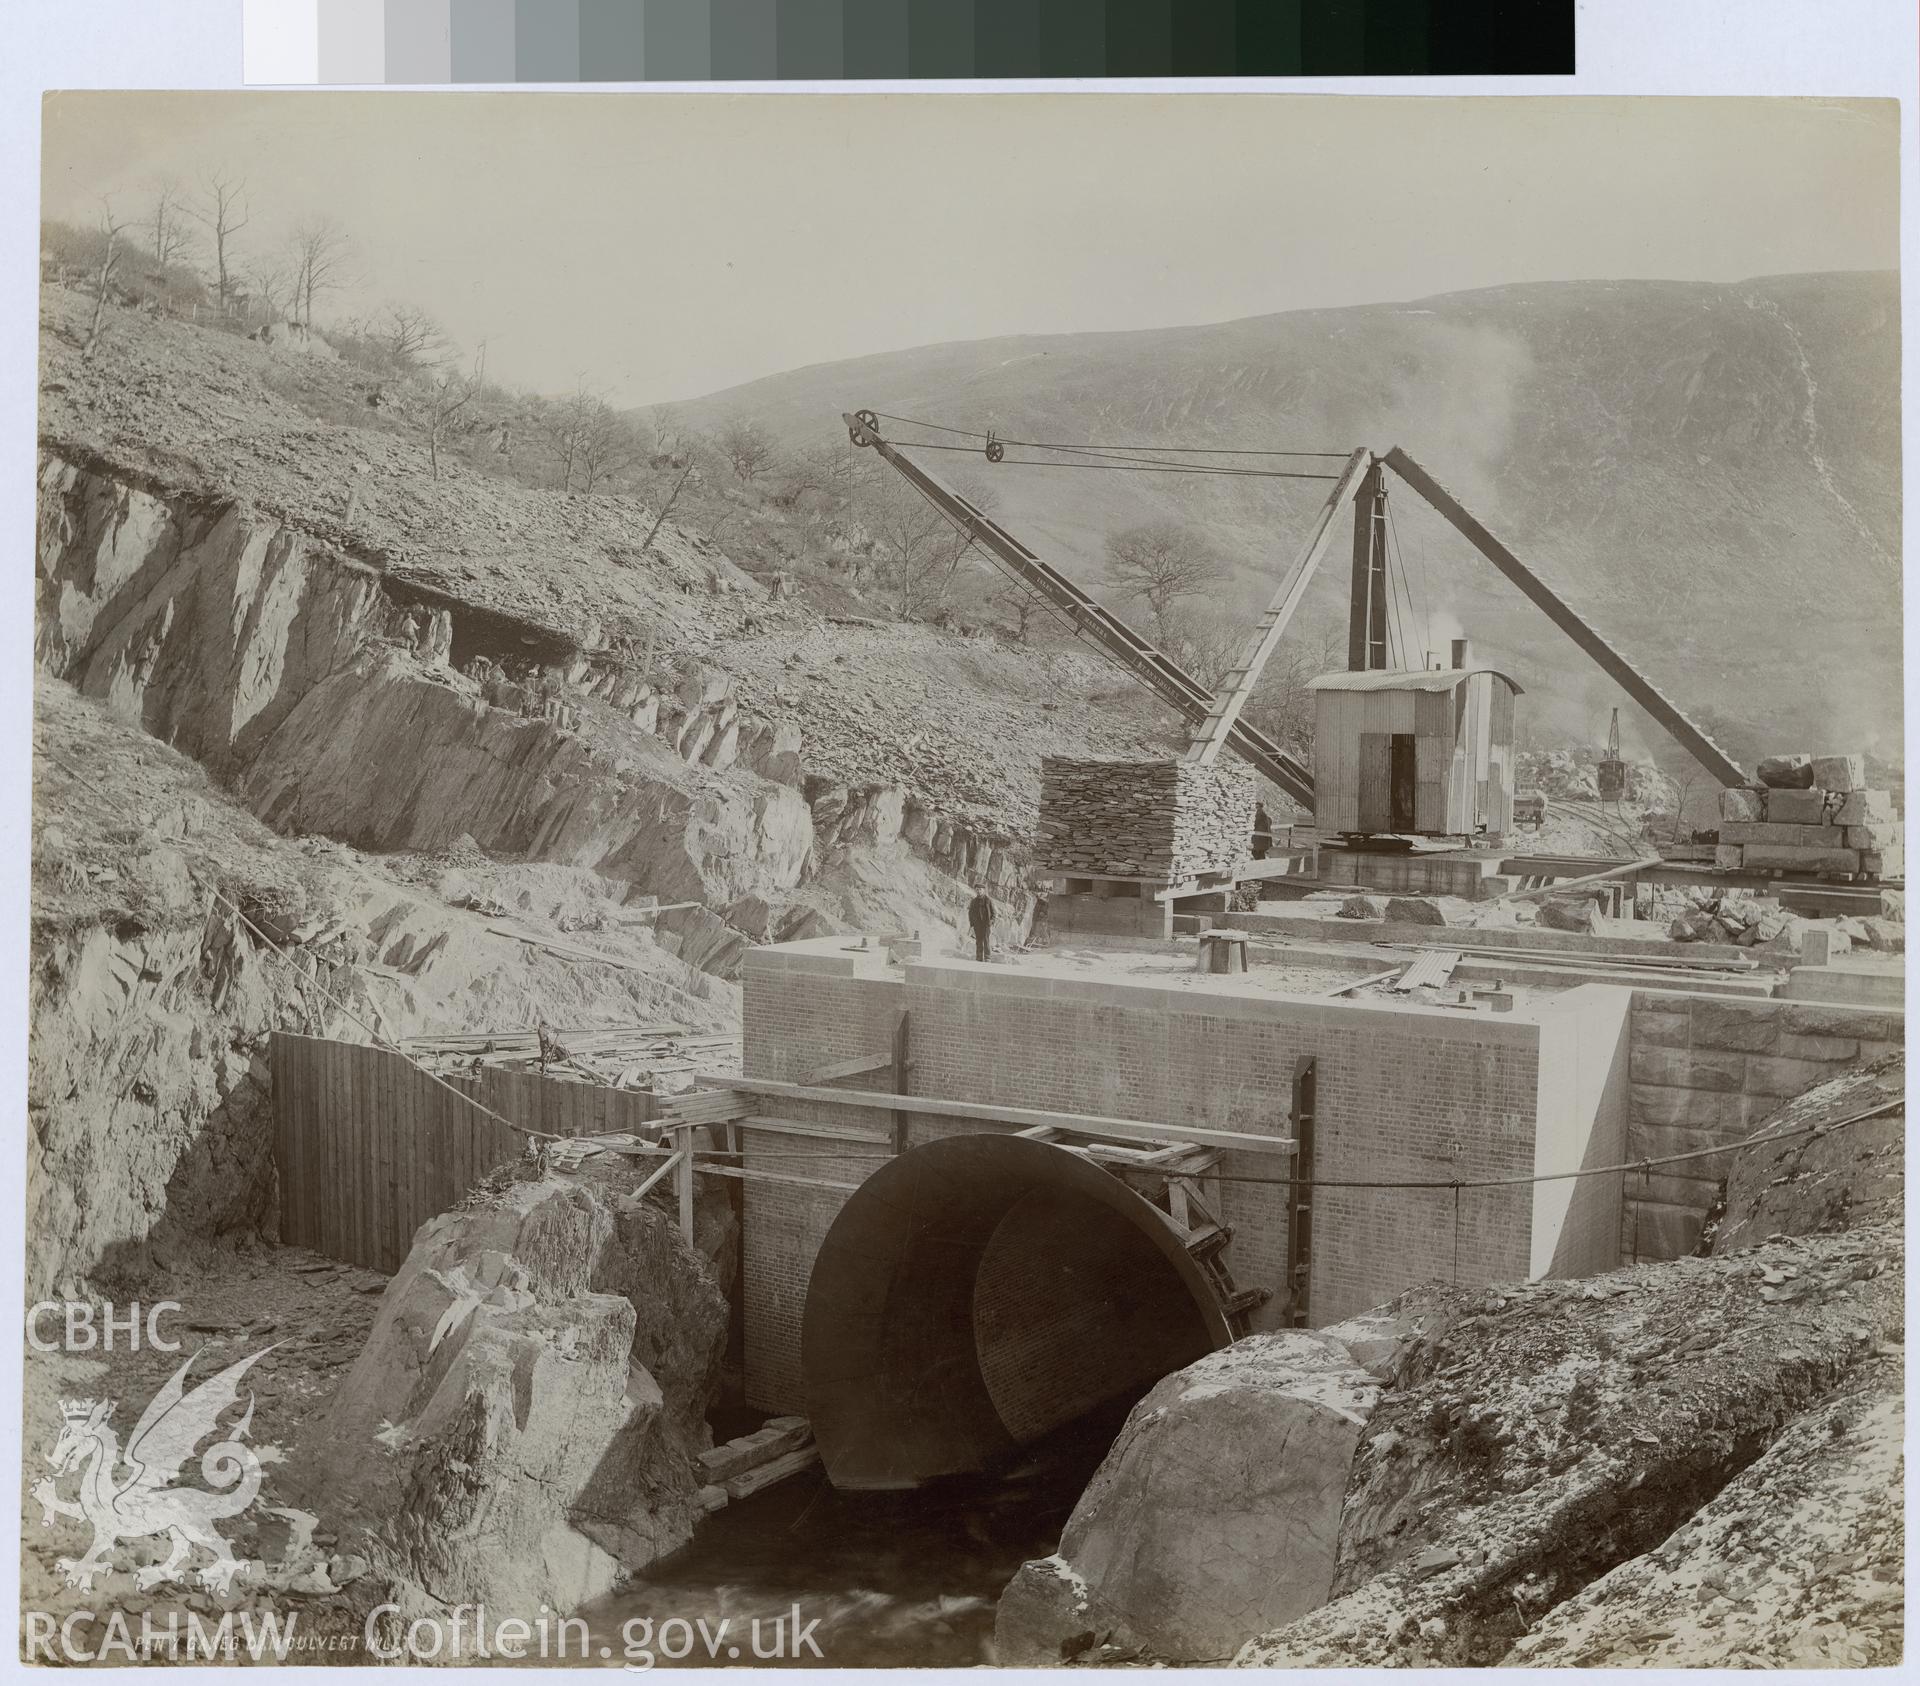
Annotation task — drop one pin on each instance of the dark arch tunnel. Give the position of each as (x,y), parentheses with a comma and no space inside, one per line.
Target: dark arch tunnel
(979,1291)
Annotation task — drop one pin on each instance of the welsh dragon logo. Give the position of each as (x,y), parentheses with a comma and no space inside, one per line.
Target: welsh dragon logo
(144,1500)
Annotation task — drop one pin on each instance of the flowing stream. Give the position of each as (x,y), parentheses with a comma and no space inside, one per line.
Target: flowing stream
(885,1579)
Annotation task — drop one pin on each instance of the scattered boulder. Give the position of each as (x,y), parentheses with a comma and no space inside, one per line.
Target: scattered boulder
(1359,907)
(1416,910)
(1196,1534)
(1566,913)
(1787,772)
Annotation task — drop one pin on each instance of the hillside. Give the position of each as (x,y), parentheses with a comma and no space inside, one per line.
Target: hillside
(1694,466)
(455,738)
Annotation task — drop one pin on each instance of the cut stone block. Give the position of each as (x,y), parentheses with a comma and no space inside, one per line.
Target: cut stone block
(1861,807)
(1734,1025)
(1777,1075)
(1726,856)
(1887,834)
(1787,772)
(1798,836)
(1687,1068)
(1740,803)
(1802,860)
(1839,772)
(1883,863)
(1797,807)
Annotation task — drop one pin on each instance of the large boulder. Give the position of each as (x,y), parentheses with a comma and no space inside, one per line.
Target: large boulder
(1568,913)
(1415,910)
(521,1428)
(1216,1514)
(1787,772)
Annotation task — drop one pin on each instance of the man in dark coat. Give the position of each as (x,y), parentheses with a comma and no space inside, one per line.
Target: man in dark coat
(980,918)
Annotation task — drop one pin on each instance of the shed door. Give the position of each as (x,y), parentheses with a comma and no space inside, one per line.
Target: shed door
(1405,781)
(1376,781)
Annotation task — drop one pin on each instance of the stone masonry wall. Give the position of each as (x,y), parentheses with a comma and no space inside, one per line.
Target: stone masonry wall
(1705,1073)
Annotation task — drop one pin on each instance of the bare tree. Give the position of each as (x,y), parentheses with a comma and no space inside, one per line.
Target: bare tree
(608,443)
(918,547)
(449,391)
(1021,603)
(1282,703)
(221,211)
(1203,641)
(569,426)
(748,450)
(167,221)
(411,336)
(667,442)
(317,255)
(111,228)
(1160,563)
(272,285)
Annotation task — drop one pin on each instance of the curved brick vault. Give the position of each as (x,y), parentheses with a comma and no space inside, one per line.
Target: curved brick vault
(979,1291)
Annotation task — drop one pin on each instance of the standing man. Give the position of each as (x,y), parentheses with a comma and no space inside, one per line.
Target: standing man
(980,918)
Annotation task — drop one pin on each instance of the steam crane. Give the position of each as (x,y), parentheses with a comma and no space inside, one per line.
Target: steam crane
(1215,716)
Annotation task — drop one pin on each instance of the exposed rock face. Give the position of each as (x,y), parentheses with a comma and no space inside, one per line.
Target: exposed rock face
(1795,1563)
(335,697)
(521,1427)
(1787,1183)
(1216,1512)
(1554,1431)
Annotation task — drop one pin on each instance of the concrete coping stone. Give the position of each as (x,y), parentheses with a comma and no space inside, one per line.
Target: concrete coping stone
(1214,997)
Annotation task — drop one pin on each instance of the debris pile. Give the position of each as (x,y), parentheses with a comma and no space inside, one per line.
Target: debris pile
(1811,814)
(1165,820)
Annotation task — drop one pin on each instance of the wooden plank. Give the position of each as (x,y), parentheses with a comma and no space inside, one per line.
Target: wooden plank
(684,1179)
(861,1065)
(1434,967)
(355,1186)
(802,1127)
(393,1145)
(1360,983)
(1091,1124)
(285,1131)
(752,1174)
(1376,781)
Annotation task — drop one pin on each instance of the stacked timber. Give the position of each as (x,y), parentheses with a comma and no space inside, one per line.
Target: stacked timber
(1166,821)
(1811,813)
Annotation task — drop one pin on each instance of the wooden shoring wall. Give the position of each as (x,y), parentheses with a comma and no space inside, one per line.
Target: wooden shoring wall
(368,1147)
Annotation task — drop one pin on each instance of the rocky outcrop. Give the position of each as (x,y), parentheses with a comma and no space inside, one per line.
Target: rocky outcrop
(151,996)
(338,696)
(1216,1514)
(521,1429)
(1796,1563)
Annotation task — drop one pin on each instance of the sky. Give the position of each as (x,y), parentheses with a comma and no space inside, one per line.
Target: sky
(664,246)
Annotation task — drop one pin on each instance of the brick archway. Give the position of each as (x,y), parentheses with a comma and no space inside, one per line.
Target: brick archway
(979,1291)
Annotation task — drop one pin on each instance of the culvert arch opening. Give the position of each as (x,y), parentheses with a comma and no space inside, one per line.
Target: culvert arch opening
(977,1293)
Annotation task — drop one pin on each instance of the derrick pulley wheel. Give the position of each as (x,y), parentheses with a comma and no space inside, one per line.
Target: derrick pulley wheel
(995,450)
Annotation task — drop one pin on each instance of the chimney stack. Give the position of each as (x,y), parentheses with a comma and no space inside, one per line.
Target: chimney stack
(1462,652)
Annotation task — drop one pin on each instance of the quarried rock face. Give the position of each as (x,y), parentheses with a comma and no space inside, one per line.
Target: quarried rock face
(521,1427)
(1216,1514)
